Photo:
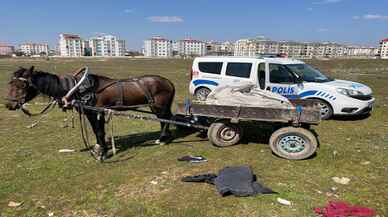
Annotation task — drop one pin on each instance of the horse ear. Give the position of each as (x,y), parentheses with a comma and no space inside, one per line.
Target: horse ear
(32,69)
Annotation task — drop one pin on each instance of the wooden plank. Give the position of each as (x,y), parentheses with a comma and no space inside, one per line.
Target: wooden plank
(310,113)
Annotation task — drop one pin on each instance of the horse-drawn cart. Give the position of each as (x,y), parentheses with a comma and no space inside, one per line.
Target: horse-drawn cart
(294,140)
(99,97)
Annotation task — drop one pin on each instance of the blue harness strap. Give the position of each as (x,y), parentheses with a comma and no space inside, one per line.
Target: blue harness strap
(299,109)
(187,104)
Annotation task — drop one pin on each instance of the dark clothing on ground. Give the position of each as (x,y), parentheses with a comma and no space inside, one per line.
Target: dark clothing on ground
(239,181)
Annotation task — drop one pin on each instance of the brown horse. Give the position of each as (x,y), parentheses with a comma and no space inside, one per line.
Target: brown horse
(156,91)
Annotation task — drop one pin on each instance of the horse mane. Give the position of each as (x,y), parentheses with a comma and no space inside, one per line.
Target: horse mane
(48,84)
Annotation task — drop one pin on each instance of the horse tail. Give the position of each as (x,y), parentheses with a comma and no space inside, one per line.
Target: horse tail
(171,99)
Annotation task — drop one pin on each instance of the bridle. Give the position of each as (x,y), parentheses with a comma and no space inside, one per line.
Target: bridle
(21,100)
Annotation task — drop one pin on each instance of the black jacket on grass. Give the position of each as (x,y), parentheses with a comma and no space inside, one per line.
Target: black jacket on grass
(239,181)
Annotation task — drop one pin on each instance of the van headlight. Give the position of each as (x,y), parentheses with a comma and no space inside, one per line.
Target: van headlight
(349,92)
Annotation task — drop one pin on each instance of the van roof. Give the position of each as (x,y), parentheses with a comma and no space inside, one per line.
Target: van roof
(278,60)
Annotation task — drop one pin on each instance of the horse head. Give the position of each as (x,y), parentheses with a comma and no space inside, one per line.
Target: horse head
(20,88)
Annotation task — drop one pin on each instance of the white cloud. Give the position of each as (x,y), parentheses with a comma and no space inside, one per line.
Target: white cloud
(323,2)
(129,11)
(309,9)
(165,19)
(375,17)
(322,30)
(371,17)
(99,33)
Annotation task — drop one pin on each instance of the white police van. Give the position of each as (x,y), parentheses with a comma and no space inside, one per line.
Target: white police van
(288,77)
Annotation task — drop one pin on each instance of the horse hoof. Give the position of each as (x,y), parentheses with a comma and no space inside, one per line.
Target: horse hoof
(100,158)
(157,142)
(97,153)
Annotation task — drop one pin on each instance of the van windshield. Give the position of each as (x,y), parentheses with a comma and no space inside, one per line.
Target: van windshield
(308,73)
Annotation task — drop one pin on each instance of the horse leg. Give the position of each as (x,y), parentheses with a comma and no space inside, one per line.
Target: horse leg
(98,124)
(165,133)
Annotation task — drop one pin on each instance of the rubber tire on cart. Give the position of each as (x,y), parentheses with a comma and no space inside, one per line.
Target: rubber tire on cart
(224,134)
(293,143)
(202,93)
(326,109)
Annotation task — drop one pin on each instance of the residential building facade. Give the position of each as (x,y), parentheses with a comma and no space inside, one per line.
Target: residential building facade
(261,45)
(70,45)
(214,48)
(158,47)
(105,46)
(191,48)
(6,50)
(384,49)
(362,51)
(34,49)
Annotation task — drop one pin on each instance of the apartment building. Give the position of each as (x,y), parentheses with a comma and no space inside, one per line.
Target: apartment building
(191,48)
(384,49)
(261,45)
(158,47)
(34,49)
(6,50)
(70,45)
(175,48)
(105,46)
(215,48)
(362,51)
(245,47)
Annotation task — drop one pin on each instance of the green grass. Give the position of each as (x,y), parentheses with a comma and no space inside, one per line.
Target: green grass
(32,170)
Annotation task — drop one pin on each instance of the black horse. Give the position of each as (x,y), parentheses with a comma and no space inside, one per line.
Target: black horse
(156,91)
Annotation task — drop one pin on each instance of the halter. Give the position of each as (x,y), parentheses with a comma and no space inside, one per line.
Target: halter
(21,100)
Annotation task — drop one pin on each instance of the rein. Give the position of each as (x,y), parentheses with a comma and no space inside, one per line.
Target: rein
(45,110)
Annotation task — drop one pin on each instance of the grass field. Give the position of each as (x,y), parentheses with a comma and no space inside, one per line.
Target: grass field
(47,182)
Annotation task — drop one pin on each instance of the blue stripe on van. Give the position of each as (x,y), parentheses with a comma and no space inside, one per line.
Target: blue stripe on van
(292,96)
(307,93)
(208,82)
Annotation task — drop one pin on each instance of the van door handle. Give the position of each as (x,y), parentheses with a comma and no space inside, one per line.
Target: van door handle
(268,88)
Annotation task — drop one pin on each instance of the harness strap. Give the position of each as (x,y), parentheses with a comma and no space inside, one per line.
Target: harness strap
(139,83)
(121,86)
(147,94)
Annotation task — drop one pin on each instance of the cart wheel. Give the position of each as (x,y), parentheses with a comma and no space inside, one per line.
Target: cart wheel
(293,143)
(224,134)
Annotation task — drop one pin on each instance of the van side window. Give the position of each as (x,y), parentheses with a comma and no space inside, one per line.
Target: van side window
(242,70)
(280,74)
(210,67)
(261,75)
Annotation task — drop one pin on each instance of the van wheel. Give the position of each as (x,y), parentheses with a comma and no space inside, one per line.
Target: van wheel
(326,109)
(202,93)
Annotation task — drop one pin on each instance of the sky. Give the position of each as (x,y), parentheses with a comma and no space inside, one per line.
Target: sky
(358,22)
